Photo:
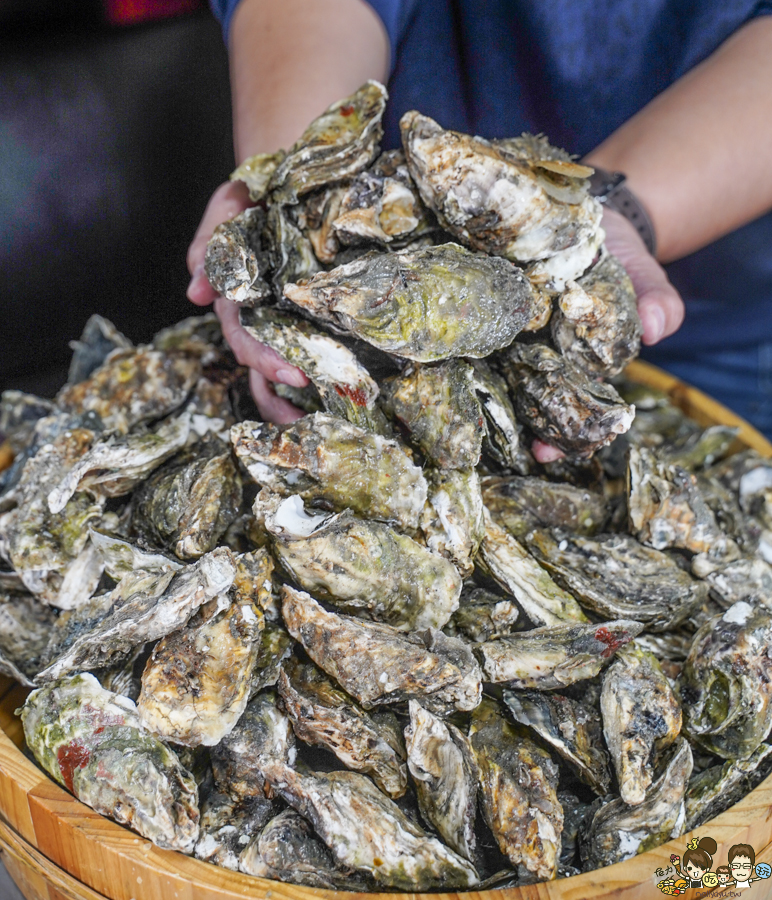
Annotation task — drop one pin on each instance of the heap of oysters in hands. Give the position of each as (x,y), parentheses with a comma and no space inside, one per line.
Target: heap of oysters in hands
(382,647)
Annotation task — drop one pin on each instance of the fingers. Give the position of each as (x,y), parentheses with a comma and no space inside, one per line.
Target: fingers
(545,453)
(226,202)
(272,408)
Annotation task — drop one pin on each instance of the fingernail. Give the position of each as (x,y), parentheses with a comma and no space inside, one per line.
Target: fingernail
(653,321)
(291,376)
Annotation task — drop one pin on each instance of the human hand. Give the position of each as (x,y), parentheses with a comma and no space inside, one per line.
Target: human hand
(659,304)
(266,366)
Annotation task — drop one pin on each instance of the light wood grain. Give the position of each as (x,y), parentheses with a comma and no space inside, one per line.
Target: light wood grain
(59,845)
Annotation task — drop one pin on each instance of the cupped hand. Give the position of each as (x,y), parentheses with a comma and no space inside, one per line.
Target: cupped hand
(659,304)
(266,366)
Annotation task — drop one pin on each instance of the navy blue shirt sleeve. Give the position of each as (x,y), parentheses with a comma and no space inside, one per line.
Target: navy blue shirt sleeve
(223,11)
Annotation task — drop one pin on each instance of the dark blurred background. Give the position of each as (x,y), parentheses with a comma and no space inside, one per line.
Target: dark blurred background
(115,128)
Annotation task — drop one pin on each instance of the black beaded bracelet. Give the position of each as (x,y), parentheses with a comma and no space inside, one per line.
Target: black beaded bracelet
(610,189)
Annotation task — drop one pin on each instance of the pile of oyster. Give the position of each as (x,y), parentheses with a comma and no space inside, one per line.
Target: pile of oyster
(383,647)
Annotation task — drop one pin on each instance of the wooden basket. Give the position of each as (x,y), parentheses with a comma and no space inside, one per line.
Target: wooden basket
(58,849)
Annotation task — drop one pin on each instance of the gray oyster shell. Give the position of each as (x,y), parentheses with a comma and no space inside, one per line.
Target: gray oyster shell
(364,567)
(518,783)
(323,457)
(553,657)
(618,831)
(444,769)
(561,403)
(322,714)
(236,262)
(368,832)
(227,827)
(428,305)
(121,557)
(97,341)
(25,629)
(502,441)
(615,575)
(482,615)
(726,682)
(377,664)
(291,252)
(452,520)
(748,579)
(275,646)
(103,756)
(571,728)
(641,718)
(256,172)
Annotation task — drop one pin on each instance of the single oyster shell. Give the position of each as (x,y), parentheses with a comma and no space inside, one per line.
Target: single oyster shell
(615,575)
(291,252)
(497,201)
(748,579)
(619,831)
(726,683)
(596,324)
(716,789)
(554,657)
(641,718)
(482,615)
(196,683)
(444,769)
(323,715)
(199,336)
(145,606)
(452,520)
(115,466)
(287,849)
(573,729)
(502,442)
(122,557)
(91,741)
(702,449)
(263,736)
(439,407)
(98,340)
(256,172)
(124,679)
(432,304)
(516,570)
(344,385)
(236,261)
(275,646)
(133,386)
(365,567)
(368,832)
(561,404)
(322,457)
(667,509)
(338,144)
(518,783)
(377,664)
(227,827)
(522,504)
(316,217)
(25,628)
(187,505)
(81,579)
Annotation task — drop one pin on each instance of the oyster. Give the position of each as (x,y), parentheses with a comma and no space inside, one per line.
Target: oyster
(322,714)
(368,832)
(726,683)
(322,457)
(338,144)
(443,766)
(99,338)
(227,827)
(482,615)
(91,741)
(615,575)
(502,430)
(25,628)
(452,520)
(518,783)
(515,569)
(275,646)
(554,657)
(561,404)
(618,831)
(573,729)
(494,199)
(122,557)
(145,606)
(256,172)
(377,664)
(262,737)
(19,414)
(344,385)
(703,448)
(521,504)
(717,788)
(316,217)
(187,504)
(748,579)
(236,262)
(439,407)
(596,324)
(292,254)
(133,386)
(432,304)
(641,718)
(365,567)
(196,683)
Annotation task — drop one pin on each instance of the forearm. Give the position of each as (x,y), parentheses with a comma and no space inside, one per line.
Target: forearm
(291,59)
(698,155)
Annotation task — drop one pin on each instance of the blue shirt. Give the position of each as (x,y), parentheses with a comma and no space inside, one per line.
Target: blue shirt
(577,70)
